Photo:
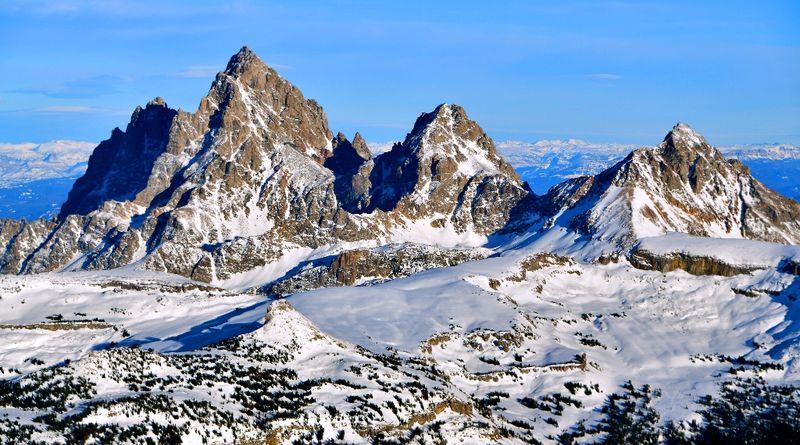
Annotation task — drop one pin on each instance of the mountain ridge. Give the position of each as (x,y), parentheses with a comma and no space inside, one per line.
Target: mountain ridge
(682,185)
(230,187)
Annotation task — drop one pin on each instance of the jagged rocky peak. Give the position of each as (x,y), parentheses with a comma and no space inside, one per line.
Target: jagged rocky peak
(447,131)
(251,94)
(120,166)
(683,185)
(226,189)
(351,163)
(348,156)
(243,61)
(447,169)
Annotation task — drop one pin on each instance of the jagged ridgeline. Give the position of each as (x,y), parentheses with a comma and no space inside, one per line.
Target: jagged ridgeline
(255,176)
(682,185)
(256,172)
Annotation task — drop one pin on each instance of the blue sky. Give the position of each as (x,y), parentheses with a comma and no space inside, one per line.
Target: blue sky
(622,71)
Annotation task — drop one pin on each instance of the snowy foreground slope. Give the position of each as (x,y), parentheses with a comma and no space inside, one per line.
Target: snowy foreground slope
(511,349)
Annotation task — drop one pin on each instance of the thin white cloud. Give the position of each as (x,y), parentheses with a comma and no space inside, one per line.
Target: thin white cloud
(279,66)
(195,71)
(67,109)
(87,87)
(604,76)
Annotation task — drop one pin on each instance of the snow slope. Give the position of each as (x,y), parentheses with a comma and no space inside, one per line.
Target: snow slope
(486,334)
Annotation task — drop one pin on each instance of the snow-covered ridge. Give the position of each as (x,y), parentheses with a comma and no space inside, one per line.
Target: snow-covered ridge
(772,151)
(737,252)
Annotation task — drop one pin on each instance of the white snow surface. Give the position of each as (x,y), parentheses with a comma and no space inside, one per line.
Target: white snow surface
(650,327)
(732,251)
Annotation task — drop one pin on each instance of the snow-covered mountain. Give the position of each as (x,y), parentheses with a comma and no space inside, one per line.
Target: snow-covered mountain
(241,182)
(546,163)
(35,178)
(682,185)
(241,275)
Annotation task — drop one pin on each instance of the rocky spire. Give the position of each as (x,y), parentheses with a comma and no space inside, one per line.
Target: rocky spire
(360,146)
(120,166)
(347,157)
(243,61)
(351,163)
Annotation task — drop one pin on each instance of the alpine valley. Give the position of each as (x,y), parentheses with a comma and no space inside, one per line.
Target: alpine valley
(239,274)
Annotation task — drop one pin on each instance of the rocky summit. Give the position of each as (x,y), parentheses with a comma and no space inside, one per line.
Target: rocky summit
(682,185)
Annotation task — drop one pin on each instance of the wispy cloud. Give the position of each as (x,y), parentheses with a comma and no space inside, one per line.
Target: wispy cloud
(119,8)
(279,66)
(195,71)
(67,109)
(76,89)
(604,76)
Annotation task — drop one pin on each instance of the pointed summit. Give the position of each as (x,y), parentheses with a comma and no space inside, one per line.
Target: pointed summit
(447,169)
(250,97)
(683,185)
(360,146)
(244,61)
(448,134)
(682,138)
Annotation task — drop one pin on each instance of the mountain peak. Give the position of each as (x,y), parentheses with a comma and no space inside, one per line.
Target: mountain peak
(683,136)
(244,61)
(158,101)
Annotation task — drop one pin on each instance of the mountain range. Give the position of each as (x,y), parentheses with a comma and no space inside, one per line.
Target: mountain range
(241,274)
(46,182)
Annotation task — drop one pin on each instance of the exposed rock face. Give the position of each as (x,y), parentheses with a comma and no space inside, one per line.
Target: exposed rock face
(254,172)
(370,266)
(119,167)
(683,185)
(352,164)
(447,170)
(695,265)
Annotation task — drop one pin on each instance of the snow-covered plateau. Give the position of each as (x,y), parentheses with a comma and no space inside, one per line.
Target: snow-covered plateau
(515,348)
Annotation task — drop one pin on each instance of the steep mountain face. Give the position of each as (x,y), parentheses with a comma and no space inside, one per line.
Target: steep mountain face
(351,162)
(682,185)
(119,167)
(255,172)
(447,170)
